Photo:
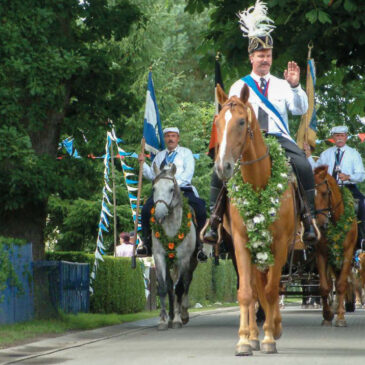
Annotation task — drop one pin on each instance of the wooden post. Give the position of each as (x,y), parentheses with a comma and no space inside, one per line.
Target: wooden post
(114,200)
(143,141)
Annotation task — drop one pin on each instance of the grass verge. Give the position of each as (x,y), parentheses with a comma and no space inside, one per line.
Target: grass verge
(19,333)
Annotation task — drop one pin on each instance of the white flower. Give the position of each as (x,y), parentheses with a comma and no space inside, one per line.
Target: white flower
(280,186)
(259,218)
(250,226)
(262,256)
(283,174)
(272,212)
(257,244)
(274,201)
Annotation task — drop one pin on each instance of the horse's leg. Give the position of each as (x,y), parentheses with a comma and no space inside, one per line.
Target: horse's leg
(244,294)
(341,285)
(179,290)
(252,320)
(270,297)
(325,285)
(162,289)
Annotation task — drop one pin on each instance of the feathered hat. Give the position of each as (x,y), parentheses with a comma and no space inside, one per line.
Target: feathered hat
(257,26)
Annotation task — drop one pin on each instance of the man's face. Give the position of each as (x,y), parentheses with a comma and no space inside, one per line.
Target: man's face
(340,139)
(261,61)
(171,140)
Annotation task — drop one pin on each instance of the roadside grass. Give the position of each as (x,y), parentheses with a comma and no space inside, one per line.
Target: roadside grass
(18,333)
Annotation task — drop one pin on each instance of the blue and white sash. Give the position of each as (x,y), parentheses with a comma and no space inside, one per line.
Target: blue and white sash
(280,123)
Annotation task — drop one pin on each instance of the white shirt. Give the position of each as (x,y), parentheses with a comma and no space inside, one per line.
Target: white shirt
(351,163)
(281,95)
(124,250)
(184,162)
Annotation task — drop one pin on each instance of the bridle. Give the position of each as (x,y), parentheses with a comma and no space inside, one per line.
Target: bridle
(249,132)
(329,211)
(168,206)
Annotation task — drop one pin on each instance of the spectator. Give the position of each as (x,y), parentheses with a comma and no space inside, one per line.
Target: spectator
(125,248)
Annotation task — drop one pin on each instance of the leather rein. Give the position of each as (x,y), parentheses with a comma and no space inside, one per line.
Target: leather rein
(168,206)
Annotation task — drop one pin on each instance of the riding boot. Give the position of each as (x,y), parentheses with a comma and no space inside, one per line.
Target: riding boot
(218,197)
(310,236)
(144,249)
(201,256)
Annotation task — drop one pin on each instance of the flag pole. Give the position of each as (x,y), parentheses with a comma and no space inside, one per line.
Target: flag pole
(143,141)
(310,46)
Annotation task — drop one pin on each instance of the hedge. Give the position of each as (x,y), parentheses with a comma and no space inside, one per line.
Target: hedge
(117,287)
(213,283)
(120,289)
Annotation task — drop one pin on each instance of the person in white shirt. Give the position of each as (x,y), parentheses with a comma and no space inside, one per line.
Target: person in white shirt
(271,99)
(183,159)
(125,247)
(346,166)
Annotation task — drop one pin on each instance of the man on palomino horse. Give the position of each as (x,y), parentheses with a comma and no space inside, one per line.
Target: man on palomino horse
(271,99)
(345,165)
(183,159)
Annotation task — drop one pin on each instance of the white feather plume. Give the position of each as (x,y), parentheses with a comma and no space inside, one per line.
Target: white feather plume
(254,22)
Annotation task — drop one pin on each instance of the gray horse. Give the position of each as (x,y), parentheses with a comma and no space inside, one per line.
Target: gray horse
(173,247)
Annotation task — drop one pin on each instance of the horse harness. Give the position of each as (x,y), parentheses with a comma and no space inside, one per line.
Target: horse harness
(168,206)
(327,212)
(249,133)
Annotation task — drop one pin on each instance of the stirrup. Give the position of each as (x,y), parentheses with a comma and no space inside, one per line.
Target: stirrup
(143,251)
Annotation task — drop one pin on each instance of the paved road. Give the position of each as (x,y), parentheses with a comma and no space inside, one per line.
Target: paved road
(209,338)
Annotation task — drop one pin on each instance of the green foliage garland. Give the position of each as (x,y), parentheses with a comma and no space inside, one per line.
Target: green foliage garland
(259,208)
(337,232)
(170,243)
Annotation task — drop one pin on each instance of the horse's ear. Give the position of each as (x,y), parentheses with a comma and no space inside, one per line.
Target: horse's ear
(221,95)
(155,169)
(173,169)
(245,93)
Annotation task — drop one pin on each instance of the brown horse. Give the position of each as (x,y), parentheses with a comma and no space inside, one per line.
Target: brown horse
(330,207)
(240,139)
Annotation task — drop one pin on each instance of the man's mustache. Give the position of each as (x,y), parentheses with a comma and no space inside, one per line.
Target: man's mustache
(265,64)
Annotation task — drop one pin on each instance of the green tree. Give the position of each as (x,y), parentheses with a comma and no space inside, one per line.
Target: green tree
(61,72)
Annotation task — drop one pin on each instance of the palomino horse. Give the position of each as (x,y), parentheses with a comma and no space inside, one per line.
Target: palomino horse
(330,208)
(240,140)
(173,247)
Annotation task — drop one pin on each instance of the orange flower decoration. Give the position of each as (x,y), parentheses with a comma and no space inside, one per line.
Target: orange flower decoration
(171,245)
(153,219)
(189,215)
(157,235)
(171,255)
(152,210)
(181,236)
(189,224)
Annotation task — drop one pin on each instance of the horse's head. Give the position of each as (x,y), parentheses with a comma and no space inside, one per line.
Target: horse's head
(324,200)
(234,127)
(166,192)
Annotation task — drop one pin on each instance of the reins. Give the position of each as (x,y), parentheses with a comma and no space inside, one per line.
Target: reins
(330,210)
(168,206)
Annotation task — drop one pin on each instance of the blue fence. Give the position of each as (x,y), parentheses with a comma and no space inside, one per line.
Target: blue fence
(68,285)
(17,305)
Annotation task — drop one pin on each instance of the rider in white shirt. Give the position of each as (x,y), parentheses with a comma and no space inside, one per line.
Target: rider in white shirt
(346,166)
(183,159)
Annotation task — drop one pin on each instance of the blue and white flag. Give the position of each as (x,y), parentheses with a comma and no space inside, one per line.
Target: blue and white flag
(152,129)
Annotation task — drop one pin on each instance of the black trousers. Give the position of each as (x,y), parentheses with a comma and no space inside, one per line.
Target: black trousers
(196,203)
(302,168)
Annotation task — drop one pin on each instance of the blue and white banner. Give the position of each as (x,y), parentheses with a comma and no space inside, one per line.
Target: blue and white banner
(152,129)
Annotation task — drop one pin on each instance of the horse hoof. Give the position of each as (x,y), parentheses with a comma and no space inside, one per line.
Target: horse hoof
(255,345)
(326,323)
(268,348)
(340,323)
(278,335)
(176,325)
(163,326)
(185,320)
(243,350)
